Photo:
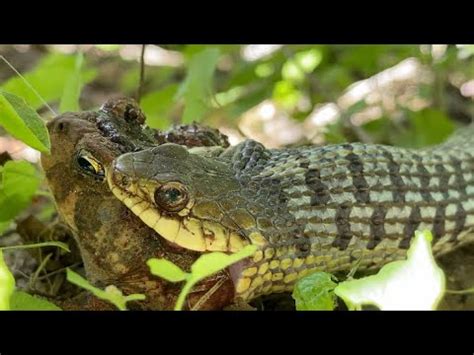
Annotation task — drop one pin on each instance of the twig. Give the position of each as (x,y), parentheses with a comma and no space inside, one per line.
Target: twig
(142,74)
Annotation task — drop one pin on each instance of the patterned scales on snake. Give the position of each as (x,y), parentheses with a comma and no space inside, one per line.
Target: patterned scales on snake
(311,208)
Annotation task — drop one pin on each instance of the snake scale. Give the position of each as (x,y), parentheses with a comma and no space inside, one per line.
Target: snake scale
(309,208)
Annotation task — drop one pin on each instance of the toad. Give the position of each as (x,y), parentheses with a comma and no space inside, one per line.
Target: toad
(114,243)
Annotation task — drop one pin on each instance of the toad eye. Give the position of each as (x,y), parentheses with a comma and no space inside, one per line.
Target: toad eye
(172,197)
(90,165)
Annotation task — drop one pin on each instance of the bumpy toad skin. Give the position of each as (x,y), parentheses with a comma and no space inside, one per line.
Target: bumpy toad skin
(114,243)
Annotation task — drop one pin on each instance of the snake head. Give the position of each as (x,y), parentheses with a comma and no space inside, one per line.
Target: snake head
(192,200)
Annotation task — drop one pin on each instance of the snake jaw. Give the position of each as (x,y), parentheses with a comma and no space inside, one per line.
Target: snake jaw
(181,228)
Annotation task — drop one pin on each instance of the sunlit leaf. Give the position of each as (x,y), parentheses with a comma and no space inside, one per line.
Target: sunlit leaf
(166,270)
(111,293)
(22,301)
(211,263)
(7,284)
(416,283)
(315,292)
(197,88)
(72,89)
(22,122)
(20,180)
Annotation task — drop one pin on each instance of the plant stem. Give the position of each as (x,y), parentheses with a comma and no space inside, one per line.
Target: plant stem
(182,296)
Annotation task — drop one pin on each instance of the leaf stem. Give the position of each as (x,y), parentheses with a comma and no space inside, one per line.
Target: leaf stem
(38,245)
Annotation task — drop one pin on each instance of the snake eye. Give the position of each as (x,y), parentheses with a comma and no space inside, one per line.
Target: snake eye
(172,197)
(90,165)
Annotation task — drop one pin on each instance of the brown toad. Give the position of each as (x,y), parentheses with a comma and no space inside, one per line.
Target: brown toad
(114,243)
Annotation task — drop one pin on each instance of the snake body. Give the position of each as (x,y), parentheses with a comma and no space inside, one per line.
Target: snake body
(310,208)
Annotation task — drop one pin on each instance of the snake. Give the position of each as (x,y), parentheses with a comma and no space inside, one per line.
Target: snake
(308,208)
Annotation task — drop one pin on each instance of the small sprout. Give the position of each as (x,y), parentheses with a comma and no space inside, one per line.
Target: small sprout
(111,293)
(205,266)
(416,283)
(166,270)
(315,292)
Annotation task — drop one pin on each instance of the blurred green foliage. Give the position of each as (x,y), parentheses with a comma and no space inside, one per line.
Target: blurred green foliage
(49,78)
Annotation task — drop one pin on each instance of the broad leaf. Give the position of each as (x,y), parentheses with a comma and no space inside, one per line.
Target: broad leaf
(197,88)
(22,122)
(413,284)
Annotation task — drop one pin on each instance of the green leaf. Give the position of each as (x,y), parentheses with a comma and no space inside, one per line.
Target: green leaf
(22,122)
(166,270)
(7,284)
(416,283)
(209,264)
(111,293)
(20,180)
(72,88)
(157,106)
(315,292)
(22,301)
(48,78)
(197,88)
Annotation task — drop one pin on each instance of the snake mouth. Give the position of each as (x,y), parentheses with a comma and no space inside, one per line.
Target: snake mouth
(183,230)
